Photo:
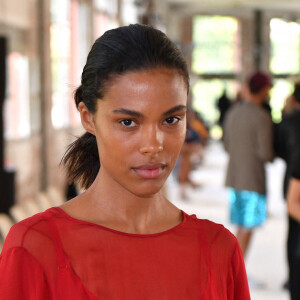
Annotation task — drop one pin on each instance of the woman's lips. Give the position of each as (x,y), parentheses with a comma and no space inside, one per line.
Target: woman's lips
(149,171)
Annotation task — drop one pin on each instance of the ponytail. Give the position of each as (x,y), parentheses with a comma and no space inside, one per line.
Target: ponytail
(82,160)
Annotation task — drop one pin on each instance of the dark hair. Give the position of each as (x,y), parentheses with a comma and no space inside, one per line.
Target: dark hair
(259,81)
(124,49)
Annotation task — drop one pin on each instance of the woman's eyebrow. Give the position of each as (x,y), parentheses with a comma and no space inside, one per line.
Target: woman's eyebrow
(129,112)
(136,114)
(174,109)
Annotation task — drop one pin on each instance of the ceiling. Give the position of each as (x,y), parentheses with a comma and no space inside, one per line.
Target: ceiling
(196,6)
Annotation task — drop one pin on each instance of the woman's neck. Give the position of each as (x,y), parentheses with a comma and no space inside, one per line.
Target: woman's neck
(111,205)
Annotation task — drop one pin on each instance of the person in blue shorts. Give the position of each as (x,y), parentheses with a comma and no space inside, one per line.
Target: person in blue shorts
(248,139)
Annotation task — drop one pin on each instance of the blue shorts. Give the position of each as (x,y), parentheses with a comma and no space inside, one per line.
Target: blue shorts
(247,209)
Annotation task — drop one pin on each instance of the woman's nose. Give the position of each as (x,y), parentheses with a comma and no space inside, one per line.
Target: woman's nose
(152,142)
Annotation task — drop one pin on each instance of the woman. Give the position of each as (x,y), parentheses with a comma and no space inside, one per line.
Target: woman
(121,239)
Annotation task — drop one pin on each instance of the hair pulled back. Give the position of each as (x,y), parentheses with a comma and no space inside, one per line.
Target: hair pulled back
(118,51)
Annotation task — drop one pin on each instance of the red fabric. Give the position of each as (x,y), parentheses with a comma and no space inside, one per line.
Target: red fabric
(53,256)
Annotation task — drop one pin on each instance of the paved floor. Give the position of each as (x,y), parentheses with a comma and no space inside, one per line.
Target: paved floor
(266,260)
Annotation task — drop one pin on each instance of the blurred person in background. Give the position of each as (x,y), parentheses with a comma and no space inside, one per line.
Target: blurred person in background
(289,106)
(239,97)
(122,238)
(192,146)
(223,105)
(293,202)
(196,123)
(287,135)
(287,145)
(291,103)
(248,139)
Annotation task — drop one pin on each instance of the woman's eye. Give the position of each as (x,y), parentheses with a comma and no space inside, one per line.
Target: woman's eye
(128,123)
(172,120)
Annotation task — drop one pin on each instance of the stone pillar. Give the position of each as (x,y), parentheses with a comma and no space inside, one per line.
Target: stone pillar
(45,89)
(186,39)
(261,41)
(247,46)
(255,43)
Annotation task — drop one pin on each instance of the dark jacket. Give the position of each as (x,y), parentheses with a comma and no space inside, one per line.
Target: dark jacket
(287,143)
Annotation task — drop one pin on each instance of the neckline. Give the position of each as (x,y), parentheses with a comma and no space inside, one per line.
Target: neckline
(67,216)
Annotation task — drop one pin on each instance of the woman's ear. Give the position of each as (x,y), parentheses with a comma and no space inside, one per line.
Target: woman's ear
(86,118)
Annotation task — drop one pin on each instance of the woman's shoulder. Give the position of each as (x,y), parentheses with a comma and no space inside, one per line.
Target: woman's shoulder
(212,232)
(35,227)
(203,224)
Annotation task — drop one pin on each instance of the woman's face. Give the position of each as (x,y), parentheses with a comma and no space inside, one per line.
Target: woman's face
(140,127)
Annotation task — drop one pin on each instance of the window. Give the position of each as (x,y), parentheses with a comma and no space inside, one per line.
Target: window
(80,46)
(284,61)
(105,17)
(129,12)
(108,6)
(70,43)
(17,107)
(103,23)
(216,43)
(207,92)
(285,47)
(282,88)
(60,33)
(215,61)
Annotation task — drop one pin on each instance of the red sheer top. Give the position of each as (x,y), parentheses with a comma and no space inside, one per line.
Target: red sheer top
(54,256)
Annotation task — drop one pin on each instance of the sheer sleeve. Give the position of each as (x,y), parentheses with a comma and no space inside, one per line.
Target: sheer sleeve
(21,276)
(239,283)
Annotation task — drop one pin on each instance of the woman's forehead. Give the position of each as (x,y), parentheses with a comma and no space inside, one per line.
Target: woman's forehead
(146,89)
(140,81)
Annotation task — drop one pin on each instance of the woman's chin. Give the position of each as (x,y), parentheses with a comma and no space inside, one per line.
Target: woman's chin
(148,192)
